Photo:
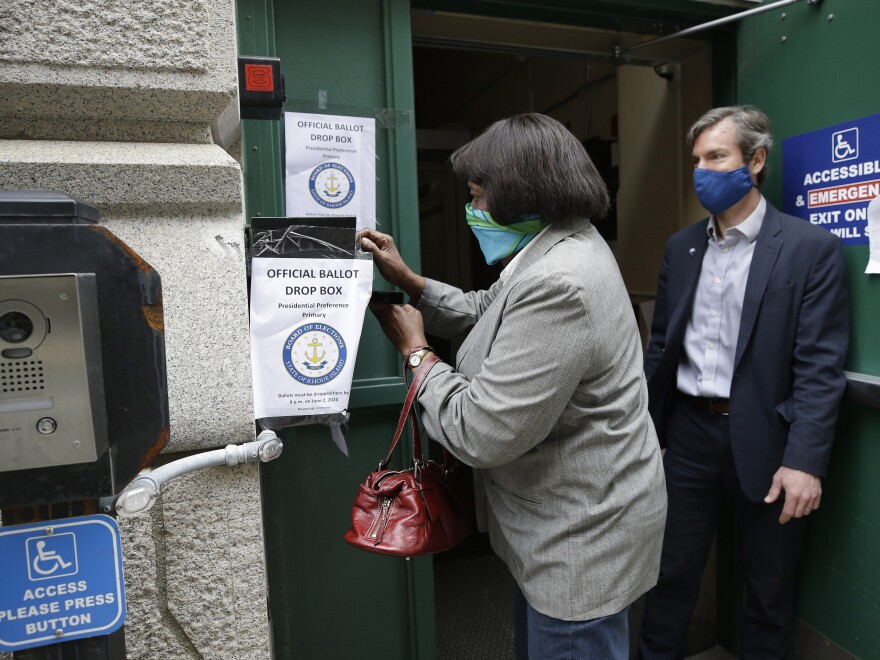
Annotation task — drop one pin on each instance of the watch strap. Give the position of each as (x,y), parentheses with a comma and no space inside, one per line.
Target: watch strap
(416,349)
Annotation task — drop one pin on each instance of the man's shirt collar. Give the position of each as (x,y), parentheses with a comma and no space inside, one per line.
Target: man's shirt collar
(750,227)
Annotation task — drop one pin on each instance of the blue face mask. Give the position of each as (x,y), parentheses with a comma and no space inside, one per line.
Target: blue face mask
(718,191)
(500,241)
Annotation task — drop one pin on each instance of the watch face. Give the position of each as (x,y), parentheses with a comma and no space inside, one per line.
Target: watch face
(415,360)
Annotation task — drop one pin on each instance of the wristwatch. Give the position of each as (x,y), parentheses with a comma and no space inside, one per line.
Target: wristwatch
(417,355)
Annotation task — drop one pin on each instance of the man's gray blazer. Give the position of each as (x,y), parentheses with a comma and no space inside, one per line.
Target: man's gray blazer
(548,401)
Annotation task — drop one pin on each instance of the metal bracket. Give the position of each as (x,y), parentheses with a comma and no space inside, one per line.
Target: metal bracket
(733,18)
(142,492)
(663,71)
(863,389)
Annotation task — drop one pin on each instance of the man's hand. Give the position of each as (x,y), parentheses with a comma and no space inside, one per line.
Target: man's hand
(803,493)
(390,263)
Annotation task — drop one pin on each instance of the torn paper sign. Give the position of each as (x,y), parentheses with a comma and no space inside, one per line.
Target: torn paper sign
(309,290)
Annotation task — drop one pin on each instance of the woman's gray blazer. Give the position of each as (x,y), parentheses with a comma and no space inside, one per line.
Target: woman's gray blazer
(548,401)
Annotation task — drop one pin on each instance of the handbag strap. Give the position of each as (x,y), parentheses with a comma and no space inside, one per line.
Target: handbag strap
(409,412)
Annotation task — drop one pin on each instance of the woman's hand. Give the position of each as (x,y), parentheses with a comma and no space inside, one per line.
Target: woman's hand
(390,263)
(402,324)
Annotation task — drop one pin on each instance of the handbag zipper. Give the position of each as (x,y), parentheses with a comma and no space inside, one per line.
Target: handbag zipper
(381,521)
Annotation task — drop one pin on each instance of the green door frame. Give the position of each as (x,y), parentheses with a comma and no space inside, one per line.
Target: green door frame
(640,16)
(262,162)
(326,599)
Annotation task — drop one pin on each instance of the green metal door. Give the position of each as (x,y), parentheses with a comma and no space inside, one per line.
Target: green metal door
(810,67)
(328,600)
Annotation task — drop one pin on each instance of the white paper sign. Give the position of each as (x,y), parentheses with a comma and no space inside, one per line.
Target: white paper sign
(874,237)
(330,166)
(306,321)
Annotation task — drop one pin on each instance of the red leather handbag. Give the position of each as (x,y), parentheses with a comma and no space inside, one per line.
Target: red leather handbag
(417,511)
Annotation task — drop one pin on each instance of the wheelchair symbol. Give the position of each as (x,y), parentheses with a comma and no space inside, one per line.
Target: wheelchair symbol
(845,145)
(51,556)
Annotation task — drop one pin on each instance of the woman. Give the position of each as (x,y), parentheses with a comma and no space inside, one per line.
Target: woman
(547,400)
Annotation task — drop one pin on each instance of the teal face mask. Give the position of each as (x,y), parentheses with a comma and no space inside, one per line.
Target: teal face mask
(500,241)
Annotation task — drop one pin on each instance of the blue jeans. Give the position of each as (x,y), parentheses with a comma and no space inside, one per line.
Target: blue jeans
(541,637)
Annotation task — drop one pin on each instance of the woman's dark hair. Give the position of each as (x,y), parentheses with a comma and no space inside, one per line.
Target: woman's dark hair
(531,163)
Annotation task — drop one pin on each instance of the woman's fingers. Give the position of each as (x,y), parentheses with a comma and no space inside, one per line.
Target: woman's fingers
(372,240)
(402,324)
(381,246)
(386,257)
(389,262)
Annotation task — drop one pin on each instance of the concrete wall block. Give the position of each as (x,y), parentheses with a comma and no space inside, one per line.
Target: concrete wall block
(117,58)
(109,173)
(161,34)
(33,128)
(195,576)
(70,102)
(150,630)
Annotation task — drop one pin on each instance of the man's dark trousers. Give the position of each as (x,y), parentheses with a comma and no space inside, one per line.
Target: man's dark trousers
(700,472)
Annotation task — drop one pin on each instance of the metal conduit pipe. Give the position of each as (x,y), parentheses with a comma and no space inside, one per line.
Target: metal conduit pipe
(618,51)
(142,492)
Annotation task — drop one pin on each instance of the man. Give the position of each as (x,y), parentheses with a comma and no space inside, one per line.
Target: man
(745,372)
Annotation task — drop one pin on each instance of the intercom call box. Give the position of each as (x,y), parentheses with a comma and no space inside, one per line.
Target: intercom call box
(83,392)
(52,408)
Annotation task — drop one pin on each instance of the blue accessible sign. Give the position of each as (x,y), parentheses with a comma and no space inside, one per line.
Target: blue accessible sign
(831,175)
(62,580)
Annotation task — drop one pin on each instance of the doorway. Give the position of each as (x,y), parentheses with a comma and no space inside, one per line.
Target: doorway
(631,116)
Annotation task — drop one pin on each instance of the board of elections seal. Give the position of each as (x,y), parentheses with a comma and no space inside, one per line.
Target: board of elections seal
(331,185)
(314,354)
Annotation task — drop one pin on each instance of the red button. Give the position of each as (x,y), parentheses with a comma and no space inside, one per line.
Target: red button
(258,78)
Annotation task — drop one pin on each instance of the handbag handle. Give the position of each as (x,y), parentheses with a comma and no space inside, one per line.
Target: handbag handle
(409,412)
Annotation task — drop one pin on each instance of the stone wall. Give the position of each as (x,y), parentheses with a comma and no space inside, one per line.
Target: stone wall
(132,106)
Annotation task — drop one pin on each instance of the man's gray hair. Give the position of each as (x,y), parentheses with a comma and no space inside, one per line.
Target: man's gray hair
(752,130)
